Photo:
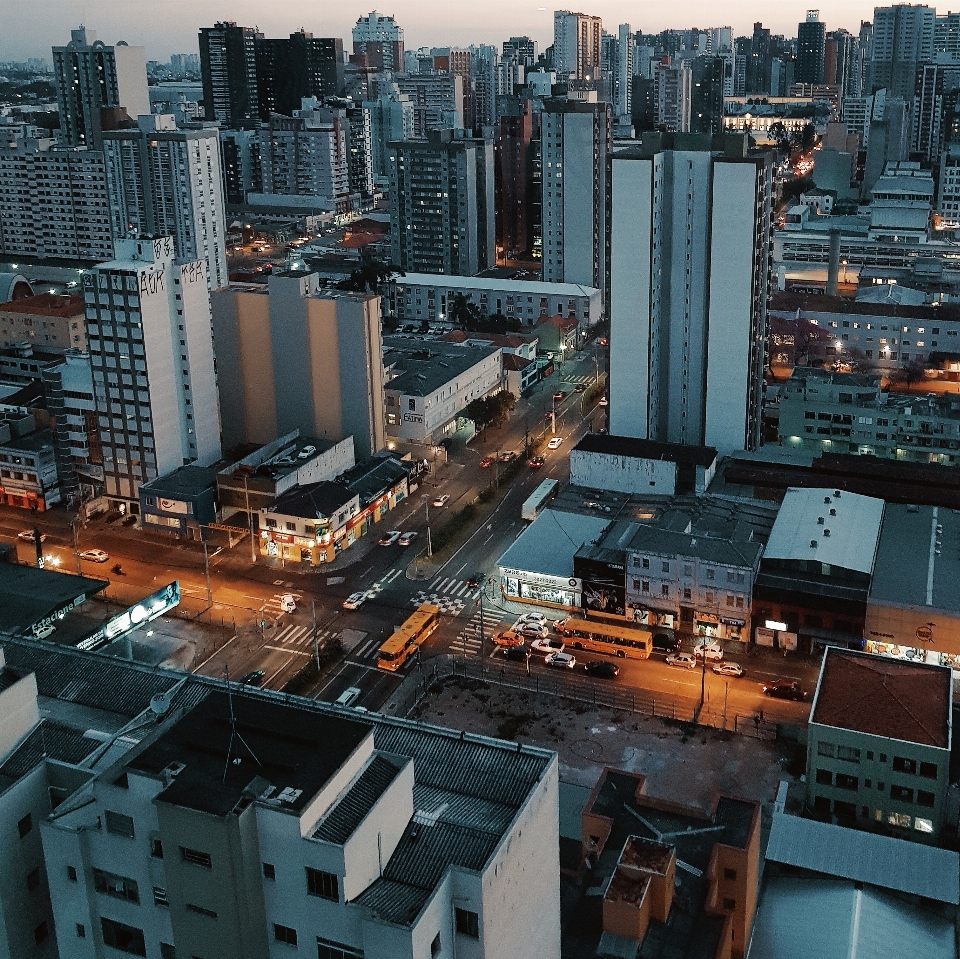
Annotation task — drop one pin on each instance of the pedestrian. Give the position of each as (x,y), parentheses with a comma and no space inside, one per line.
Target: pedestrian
(760,716)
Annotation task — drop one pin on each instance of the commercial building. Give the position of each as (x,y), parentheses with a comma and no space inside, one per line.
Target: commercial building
(441,204)
(811,40)
(294,358)
(97,86)
(576,45)
(428,296)
(688,281)
(429,385)
(54,202)
(229,71)
(28,462)
(576,139)
(168,182)
(151,350)
(181,503)
(48,321)
(878,746)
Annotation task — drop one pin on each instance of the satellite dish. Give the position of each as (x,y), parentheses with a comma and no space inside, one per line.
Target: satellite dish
(160,703)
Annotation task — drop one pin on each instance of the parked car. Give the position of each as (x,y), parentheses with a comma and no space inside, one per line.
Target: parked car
(349,696)
(485,462)
(516,653)
(474,579)
(665,643)
(535,463)
(441,500)
(547,645)
(288,603)
(95,556)
(728,669)
(555,443)
(603,669)
(253,679)
(407,538)
(43,632)
(561,660)
(508,638)
(306,452)
(712,651)
(684,660)
(603,401)
(389,538)
(781,689)
(354,600)
(27,536)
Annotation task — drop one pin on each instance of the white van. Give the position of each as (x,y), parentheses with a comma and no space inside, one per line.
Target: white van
(348,697)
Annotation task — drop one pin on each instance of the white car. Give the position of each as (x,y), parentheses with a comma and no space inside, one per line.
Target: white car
(555,443)
(561,660)
(712,651)
(684,660)
(407,538)
(537,618)
(42,632)
(354,600)
(728,669)
(547,645)
(95,556)
(532,630)
(441,500)
(389,538)
(288,603)
(27,536)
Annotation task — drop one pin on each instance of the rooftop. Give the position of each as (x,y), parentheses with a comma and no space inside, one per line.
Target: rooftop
(373,478)
(314,501)
(880,696)
(28,594)
(532,287)
(647,449)
(547,545)
(45,304)
(423,368)
(183,481)
(35,442)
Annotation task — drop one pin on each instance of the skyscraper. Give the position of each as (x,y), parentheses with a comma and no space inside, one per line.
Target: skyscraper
(672,95)
(294,67)
(229,73)
(902,40)
(811,41)
(151,350)
(576,139)
(623,72)
(707,77)
(441,204)
(514,178)
(576,45)
(380,40)
(95,85)
(168,182)
(391,118)
(690,254)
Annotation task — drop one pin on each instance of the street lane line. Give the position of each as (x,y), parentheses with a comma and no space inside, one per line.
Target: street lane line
(286,649)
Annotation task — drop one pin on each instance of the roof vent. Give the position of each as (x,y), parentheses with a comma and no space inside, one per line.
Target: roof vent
(819,521)
(826,532)
(833,512)
(813,544)
(826,499)
(836,493)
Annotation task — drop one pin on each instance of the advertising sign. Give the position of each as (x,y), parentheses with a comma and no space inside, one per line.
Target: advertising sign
(156,604)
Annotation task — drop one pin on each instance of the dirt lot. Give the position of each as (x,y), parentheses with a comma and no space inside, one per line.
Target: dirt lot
(681,763)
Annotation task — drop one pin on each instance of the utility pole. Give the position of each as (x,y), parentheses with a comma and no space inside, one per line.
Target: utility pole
(253,542)
(206,571)
(426,503)
(703,675)
(316,647)
(76,544)
(482,636)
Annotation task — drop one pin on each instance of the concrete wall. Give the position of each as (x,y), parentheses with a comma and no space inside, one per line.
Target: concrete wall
(626,474)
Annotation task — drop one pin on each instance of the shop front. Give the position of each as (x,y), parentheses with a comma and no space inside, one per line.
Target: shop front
(920,634)
(645,616)
(711,626)
(528,587)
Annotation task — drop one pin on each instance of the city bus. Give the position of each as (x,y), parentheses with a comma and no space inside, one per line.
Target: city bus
(612,638)
(406,639)
(538,499)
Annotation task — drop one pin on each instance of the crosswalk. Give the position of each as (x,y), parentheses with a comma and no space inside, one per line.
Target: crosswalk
(469,642)
(297,639)
(586,380)
(383,582)
(451,595)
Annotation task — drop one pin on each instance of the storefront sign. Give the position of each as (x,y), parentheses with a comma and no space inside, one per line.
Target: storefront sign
(773,624)
(156,604)
(173,506)
(925,633)
(412,417)
(58,613)
(541,579)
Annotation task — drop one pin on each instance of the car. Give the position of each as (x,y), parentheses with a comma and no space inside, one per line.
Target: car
(485,462)
(507,638)
(43,632)
(665,643)
(95,556)
(441,500)
(27,536)
(354,600)
(253,679)
(535,463)
(781,689)
(548,416)
(603,401)
(561,660)
(390,537)
(288,603)
(532,630)
(712,651)
(555,443)
(348,697)
(684,660)
(534,618)
(516,653)
(604,670)
(474,579)
(306,452)
(728,669)
(559,395)
(547,645)
(580,388)
(602,341)
(507,455)
(407,538)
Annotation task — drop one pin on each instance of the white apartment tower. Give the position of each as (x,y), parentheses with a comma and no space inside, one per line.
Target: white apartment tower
(576,140)
(151,351)
(903,38)
(168,182)
(577,40)
(673,94)
(92,77)
(623,72)
(690,254)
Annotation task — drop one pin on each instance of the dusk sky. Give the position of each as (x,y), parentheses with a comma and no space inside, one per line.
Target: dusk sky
(170,26)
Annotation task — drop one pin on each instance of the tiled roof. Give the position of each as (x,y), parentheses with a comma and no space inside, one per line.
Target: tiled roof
(49,740)
(357,801)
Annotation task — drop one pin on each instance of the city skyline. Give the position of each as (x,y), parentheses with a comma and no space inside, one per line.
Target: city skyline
(424,23)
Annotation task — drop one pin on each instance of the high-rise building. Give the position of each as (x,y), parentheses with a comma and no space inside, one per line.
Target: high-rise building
(294,67)
(576,45)
(811,40)
(168,182)
(391,118)
(380,40)
(514,179)
(97,86)
(151,350)
(842,64)
(690,255)
(54,202)
(442,204)
(672,95)
(229,73)
(438,101)
(359,150)
(758,62)
(946,34)
(240,150)
(928,110)
(576,138)
(523,48)
(623,72)
(902,40)
(707,82)
(299,358)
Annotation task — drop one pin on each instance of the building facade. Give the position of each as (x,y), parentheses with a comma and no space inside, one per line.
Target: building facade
(577,40)
(47,321)
(229,72)
(902,40)
(380,40)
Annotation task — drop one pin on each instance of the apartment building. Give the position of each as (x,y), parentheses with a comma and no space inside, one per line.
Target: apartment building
(48,321)
(878,746)
(28,462)
(577,45)
(438,101)
(229,72)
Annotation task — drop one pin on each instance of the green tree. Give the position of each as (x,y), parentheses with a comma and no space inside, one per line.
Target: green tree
(463,313)
(480,411)
(370,276)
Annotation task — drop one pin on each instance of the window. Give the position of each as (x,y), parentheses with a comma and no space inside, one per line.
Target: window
(25,825)
(42,931)
(826,749)
(664,589)
(167,951)
(848,753)
(33,879)
(72,873)
(899,819)
(269,871)
(200,910)
(323,884)
(196,857)
(435,945)
(645,586)
(81,931)
(117,886)
(729,873)
(123,937)
(666,567)
(329,949)
(468,923)
(901,793)
(118,824)
(160,896)
(824,777)
(156,848)
(843,781)
(645,563)
(903,765)
(925,798)
(923,825)
(729,904)
(928,770)
(285,934)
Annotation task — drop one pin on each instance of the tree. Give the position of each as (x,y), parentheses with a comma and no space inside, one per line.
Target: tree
(370,276)
(780,136)
(463,313)
(480,412)
(501,406)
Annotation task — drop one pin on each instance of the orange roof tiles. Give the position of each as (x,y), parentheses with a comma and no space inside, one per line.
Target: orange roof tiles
(46,304)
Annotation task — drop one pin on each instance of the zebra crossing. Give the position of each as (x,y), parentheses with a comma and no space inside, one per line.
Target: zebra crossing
(469,642)
(586,380)
(450,595)
(295,638)
(383,582)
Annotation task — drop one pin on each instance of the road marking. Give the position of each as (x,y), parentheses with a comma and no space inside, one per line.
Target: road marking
(286,649)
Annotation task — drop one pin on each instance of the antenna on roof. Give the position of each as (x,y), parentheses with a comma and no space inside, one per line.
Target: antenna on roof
(233,728)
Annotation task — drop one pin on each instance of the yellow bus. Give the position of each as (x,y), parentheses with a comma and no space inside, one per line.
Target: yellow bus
(408,638)
(614,639)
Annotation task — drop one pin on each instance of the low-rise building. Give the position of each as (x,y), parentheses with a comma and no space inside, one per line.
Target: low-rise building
(47,320)
(28,463)
(310,524)
(181,502)
(878,744)
(519,375)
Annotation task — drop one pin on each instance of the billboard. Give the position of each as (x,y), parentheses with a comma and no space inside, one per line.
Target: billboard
(156,604)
